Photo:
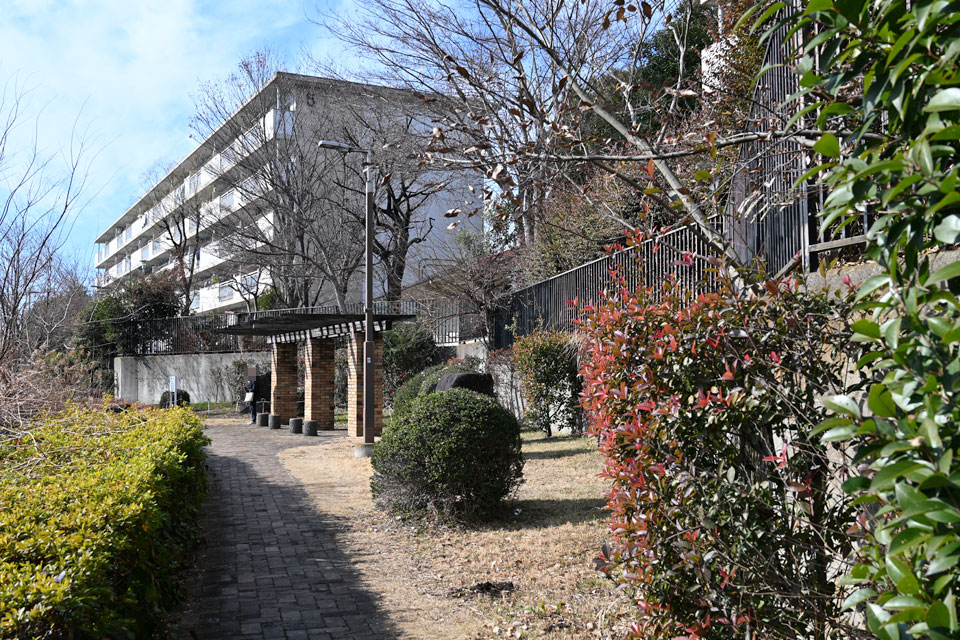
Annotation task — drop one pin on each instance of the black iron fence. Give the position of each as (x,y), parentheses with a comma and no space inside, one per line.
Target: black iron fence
(681,252)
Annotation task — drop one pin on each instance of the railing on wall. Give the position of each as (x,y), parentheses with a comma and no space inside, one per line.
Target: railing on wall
(450,323)
(681,252)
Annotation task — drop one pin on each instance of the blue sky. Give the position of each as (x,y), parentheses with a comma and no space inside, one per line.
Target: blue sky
(127,68)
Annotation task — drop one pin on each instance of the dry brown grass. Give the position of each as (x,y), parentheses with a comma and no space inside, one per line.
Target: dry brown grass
(422,572)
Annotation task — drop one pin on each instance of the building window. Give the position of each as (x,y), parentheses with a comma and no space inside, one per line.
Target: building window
(145,252)
(249,283)
(195,301)
(226,292)
(228,199)
(195,182)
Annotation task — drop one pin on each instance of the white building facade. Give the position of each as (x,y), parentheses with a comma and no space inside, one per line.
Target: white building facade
(193,216)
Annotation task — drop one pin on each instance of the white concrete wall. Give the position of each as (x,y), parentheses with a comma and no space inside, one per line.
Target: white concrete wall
(206,377)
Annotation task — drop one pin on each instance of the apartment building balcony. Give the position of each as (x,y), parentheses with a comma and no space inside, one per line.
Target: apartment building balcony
(114,244)
(225,293)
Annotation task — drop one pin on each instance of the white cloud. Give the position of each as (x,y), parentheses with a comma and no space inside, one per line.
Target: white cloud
(131,67)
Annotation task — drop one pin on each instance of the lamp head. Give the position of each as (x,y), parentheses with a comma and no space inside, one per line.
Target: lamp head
(336,146)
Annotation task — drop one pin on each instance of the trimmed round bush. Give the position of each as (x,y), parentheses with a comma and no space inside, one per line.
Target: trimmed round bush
(183,399)
(455,453)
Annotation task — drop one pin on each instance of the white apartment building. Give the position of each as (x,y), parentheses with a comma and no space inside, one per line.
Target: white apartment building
(196,209)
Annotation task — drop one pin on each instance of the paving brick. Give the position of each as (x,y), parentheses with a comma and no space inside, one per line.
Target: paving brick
(270,566)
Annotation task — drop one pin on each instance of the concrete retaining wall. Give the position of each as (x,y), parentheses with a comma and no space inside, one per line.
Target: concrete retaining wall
(206,377)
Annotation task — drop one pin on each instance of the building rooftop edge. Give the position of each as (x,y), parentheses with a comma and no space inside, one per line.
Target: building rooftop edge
(104,235)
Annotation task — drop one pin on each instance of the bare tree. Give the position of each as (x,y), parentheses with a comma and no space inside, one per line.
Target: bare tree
(541,89)
(39,199)
(405,187)
(476,272)
(497,100)
(312,197)
(39,196)
(180,219)
(48,323)
(276,209)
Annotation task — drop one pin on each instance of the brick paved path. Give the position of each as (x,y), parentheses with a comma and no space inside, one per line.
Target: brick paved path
(269,566)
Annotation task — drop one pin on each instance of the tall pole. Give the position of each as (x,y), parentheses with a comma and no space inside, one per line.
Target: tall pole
(368,343)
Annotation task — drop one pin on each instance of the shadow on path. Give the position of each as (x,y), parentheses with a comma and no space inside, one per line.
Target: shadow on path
(269,565)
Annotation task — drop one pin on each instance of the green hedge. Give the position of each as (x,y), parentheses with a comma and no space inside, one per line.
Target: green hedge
(95,509)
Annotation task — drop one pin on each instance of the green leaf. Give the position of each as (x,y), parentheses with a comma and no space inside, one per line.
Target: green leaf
(830,423)
(952,270)
(841,404)
(940,326)
(888,474)
(876,618)
(828,145)
(857,597)
(703,175)
(891,332)
(814,6)
(944,100)
(907,539)
(866,328)
(902,602)
(796,117)
(881,402)
(772,9)
(946,516)
(941,563)
(834,109)
(853,485)
(938,616)
(871,284)
(893,192)
(838,434)
(900,574)
(948,230)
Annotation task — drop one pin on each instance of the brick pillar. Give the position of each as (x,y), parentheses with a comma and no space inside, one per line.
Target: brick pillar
(283,381)
(355,384)
(318,394)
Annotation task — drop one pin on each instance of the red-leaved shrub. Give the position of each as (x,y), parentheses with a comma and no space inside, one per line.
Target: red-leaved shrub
(726,518)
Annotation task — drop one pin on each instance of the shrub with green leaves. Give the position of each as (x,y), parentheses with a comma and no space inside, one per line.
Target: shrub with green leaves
(455,453)
(408,348)
(96,507)
(894,153)
(425,383)
(547,363)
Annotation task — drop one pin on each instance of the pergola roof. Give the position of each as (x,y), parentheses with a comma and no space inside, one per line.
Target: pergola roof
(291,326)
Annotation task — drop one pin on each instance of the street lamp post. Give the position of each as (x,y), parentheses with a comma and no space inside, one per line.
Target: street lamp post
(368,344)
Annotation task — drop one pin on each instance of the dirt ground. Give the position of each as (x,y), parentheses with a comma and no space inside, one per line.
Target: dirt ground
(530,575)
